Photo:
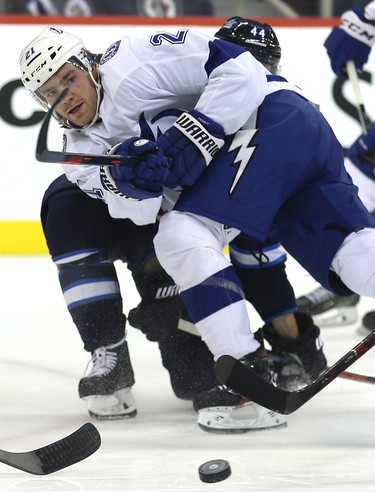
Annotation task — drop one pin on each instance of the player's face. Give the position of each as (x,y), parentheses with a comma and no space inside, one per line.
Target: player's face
(79,105)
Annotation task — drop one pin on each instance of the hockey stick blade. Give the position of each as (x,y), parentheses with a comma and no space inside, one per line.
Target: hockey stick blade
(58,455)
(43,154)
(243,380)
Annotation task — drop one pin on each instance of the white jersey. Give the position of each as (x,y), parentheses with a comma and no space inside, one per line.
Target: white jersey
(146,79)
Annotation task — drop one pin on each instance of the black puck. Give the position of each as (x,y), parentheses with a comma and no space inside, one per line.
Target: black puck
(214,471)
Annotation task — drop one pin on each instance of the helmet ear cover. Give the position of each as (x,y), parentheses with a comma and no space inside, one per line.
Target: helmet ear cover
(260,39)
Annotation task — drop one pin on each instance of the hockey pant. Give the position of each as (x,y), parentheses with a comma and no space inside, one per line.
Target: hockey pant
(197,264)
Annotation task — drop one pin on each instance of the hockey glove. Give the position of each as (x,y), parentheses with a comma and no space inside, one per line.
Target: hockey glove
(141,177)
(296,361)
(362,152)
(351,41)
(191,143)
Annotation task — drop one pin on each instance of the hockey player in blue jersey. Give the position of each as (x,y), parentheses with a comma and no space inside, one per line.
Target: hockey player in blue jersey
(294,338)
(237,118)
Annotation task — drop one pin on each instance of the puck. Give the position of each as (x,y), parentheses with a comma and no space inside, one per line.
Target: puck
(214,471)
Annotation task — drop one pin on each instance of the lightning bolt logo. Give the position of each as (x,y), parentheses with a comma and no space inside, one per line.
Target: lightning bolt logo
(241,142)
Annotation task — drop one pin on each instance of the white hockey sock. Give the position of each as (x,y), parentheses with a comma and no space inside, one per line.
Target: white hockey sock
(227,332)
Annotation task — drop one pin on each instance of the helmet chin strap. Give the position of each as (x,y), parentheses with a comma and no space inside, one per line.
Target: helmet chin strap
(98,88)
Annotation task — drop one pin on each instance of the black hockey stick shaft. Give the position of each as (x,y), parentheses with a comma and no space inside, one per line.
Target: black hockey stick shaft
(43,154)
(60,454)
(354,80)
(243,380)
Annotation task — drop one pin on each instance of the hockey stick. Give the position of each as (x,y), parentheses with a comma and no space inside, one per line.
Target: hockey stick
(364,119)
(353,77)
(243,380)
(43,154)
(60,454)
(353,376)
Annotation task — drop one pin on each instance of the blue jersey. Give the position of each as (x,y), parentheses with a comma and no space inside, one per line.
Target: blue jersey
(286,179)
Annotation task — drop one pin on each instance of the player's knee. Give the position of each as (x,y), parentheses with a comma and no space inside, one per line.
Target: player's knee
(189,249)
(354,262)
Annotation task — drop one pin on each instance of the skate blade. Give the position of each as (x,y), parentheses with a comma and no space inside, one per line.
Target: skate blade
(239,419)
(337,317)
(120,405)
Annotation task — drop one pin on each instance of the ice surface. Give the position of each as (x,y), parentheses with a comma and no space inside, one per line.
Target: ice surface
(328,445)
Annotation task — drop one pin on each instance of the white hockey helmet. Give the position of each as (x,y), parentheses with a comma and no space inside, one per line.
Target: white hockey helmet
(46,54)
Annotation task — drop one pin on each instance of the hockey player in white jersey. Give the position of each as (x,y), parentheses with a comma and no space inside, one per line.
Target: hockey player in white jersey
(190,367)
(233,108)
(297,358)
(109,381)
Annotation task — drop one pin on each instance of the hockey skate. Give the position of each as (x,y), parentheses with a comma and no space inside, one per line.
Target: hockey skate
(328,309)
(107,387)
(224,412)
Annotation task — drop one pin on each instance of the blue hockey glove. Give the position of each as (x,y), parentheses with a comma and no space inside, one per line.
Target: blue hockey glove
(362,152)
(351,41)
(191,143)
(141,177)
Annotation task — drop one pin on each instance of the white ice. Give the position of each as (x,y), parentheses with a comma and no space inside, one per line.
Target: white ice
(328,445)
